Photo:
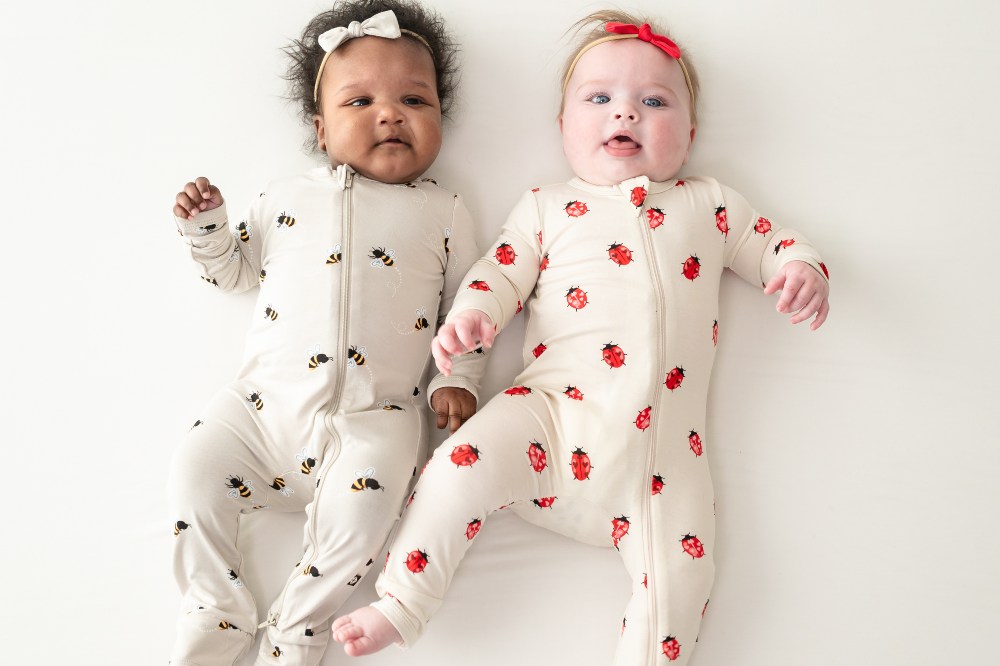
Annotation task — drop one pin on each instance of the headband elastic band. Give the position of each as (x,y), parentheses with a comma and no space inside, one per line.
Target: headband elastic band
(383,24)
(629,31)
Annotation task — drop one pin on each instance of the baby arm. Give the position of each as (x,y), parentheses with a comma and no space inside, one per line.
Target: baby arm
(777,258)
(229,259)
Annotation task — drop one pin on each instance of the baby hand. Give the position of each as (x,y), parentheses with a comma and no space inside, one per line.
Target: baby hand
(465,332)
(803,293)
(196,197)
(453,406)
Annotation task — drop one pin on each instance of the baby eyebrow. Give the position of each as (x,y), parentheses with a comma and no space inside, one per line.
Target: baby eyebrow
(366,87)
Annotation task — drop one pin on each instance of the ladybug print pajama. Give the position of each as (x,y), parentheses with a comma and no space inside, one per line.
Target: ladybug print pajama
(603,437)
(325,415)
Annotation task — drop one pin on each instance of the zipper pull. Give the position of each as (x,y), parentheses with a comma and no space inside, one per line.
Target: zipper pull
(271,621)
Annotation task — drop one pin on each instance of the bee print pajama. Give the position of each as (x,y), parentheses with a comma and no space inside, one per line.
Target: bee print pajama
(603,436)
(325,414)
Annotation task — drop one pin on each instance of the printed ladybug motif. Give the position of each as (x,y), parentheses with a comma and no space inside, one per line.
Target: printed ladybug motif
(715,333)
(655,217)
(519,307)
(613,355)
(620,254)
(518,390)
(692,546)
(410,500)
(544,502)
(619,528)
(645,581)
(545,261)
(638,196)
(643,419)
(722,221)
(505,254)
(479,285)
(573,393)
(576,298)
(694,440)
(674,378)
(416,561)
(575,208)
(537,457)
(472,529)
(657,484)
(465,455)
(691,268)
(538,350)
(825,272)
(671,648)
(762,226)
(781,245)
(680,182)
(539,236)
(705,607)
(580,464)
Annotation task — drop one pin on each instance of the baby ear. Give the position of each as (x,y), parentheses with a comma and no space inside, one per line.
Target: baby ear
(320,131)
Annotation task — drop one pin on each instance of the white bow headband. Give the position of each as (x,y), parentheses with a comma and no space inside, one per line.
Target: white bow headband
(383,24)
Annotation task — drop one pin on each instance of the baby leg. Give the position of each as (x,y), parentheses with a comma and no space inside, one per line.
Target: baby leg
(217,474)
(359,496)
(480,469)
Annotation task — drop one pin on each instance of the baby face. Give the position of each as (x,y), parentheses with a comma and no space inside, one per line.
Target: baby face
(626,113)
(379,108)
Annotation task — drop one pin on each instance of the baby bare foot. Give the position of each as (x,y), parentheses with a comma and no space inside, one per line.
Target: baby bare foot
(365,631)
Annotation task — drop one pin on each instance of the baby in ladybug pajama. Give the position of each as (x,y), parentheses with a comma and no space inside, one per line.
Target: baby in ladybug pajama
(603,436)
(353,261)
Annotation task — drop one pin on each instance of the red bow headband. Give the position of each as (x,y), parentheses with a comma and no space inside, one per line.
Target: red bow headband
(646,34)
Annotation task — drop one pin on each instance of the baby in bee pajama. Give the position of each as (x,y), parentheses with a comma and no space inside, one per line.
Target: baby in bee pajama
(354,261)
(602,437)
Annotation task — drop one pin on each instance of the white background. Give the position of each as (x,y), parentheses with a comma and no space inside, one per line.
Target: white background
(857,468)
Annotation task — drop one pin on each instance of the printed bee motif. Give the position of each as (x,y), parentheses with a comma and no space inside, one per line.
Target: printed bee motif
(197,423)
(335,255)
(365,481)
(225,624)
(317,358)
(311,571)
(421,319)
(208,228)
(277,652)
(279,485)
(388,406)
(307,463)
(240,488)
(270,313)
(244,231)
(447,237)
(355,356)
(212,281)
(255,400)
(234,578)
(354,581)
(262,275)
(381,257)
(285,220)
(179,527)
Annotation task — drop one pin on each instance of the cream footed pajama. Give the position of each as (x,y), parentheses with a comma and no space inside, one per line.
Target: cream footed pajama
(603,435)
(326,414)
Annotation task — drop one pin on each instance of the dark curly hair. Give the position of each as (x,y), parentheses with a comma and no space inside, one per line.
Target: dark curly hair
(306,54)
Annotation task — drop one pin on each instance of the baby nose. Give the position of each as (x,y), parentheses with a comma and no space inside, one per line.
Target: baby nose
(390,114)
(626,114)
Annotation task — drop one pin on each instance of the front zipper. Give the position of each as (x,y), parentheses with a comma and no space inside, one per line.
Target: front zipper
(334,451)
(651,455)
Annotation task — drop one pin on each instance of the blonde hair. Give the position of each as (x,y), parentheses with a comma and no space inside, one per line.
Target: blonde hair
(590,31)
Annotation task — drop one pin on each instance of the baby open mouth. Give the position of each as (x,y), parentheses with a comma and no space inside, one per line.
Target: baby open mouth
(622,141)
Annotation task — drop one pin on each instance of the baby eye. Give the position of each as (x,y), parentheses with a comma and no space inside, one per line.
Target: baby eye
(653,102)
(599,98)
(364,101)
(413,101)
